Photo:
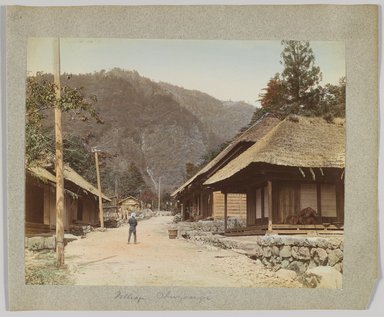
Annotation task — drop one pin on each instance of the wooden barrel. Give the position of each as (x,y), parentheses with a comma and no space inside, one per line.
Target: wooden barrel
(172,233)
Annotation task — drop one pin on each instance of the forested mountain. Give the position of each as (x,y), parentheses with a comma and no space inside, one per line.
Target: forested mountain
(157,126)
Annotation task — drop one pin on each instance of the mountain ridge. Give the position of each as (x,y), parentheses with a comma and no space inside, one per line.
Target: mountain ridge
(158,126)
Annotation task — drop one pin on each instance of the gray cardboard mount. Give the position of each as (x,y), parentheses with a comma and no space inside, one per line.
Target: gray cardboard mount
(356,25)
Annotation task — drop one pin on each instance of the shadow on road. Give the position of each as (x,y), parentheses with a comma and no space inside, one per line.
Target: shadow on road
(94,261)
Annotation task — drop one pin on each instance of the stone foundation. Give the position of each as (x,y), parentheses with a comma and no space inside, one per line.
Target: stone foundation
(38,243)
(214,226)
(297,253)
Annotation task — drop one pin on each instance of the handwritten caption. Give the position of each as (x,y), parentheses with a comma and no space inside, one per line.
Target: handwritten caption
(164,295)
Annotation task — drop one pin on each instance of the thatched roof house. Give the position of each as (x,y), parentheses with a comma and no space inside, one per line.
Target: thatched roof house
(297,165)
(239,144)
(80,200)
(196,201)
(295,141)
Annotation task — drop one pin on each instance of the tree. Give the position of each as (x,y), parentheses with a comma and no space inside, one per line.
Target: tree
(296,90)
(131,182)
(274,95)
(300,75)
(190,170)
(333,100)
(41,98)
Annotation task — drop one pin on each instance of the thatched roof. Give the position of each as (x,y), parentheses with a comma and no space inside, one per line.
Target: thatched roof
(252,134)
(296,141)
(42,174)
(129,197)
(70,175)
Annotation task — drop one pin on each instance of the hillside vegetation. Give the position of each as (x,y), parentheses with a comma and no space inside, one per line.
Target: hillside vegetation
(156,126)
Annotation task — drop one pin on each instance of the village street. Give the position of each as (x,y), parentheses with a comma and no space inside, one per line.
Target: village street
(105,258)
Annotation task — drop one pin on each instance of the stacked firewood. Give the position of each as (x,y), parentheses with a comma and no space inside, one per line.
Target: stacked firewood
(306,216)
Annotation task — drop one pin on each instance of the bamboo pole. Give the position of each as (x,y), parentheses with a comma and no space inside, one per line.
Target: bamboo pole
(59,161)
(159,195)
(101,212)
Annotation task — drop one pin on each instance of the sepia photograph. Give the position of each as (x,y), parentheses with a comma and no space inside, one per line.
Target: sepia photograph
(191,163)
(180,158)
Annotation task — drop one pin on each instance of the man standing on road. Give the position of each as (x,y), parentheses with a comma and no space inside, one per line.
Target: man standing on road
(132,227)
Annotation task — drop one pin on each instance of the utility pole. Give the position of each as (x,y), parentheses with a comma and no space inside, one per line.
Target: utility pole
(158,206)
(101,213)
(58,160)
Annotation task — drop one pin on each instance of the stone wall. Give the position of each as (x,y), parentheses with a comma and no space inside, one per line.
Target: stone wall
(297,253)
(214,226)
(38,243)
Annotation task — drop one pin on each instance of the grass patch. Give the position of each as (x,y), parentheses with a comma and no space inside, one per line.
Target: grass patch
(40,269)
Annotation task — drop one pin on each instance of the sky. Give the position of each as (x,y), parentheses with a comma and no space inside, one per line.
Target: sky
(225,69)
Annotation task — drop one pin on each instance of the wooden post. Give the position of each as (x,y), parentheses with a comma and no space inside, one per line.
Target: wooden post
(59,161)
(159,195)
(225,212)
(116,199)
(101,213)
(270,212)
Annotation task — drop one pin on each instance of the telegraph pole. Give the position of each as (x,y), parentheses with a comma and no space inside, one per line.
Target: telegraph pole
(101,213)
(59,160)
(158,206)
(116,197)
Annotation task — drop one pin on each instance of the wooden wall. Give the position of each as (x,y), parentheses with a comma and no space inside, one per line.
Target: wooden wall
(40,205)
(237,205)
(90,210)
(34,200)
(291,197)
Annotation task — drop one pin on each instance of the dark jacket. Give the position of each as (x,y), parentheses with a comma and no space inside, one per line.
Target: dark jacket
(132,224)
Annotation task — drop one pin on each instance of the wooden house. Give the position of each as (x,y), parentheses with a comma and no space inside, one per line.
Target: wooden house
(128,205)
(80,201)
(293,178)
(197,201)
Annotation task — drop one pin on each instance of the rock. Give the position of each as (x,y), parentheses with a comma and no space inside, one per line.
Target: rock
(339,267)
(266,263)
(276,267)
(69,238)
(40,243)
(284,264)
(339,254)
(287,275)
(312,264)
(334,243)
(275,251)
(333,257)
(267,252)
(50,243)
(258,251)
(258,263)
(323,277)
(320,256)
(100,229)
(285,251)
(321,243)
(300,253)
(35,243)
(297,266)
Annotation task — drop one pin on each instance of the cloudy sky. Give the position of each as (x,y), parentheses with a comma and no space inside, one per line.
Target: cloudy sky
(227,70)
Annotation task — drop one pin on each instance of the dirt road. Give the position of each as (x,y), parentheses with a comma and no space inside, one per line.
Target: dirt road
(105,258)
